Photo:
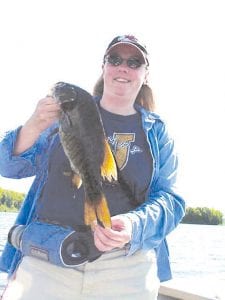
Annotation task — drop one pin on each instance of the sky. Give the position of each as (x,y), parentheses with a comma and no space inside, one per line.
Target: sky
(46,41)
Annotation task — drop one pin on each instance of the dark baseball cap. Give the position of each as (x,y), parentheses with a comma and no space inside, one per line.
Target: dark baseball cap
(130,40)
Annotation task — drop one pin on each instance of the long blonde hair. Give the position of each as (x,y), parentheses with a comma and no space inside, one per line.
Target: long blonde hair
(144,97)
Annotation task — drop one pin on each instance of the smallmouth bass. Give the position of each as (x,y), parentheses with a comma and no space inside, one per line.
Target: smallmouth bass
(85,144)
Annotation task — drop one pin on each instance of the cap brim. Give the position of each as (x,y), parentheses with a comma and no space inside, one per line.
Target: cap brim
(131,44)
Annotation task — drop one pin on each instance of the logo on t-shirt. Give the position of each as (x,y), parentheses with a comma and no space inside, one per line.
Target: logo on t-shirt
(122,146)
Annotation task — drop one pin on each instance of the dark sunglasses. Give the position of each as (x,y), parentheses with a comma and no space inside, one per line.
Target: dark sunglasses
(116,60)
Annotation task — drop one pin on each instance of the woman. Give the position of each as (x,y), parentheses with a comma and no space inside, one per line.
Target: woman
(129,259)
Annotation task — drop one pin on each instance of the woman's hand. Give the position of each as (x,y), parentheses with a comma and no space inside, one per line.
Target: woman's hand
(46,113)
(120,234)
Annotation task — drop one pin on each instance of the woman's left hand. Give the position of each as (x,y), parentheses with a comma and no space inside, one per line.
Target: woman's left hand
(116,237)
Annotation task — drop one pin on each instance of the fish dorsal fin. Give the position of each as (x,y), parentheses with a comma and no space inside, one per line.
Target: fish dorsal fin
(108,167)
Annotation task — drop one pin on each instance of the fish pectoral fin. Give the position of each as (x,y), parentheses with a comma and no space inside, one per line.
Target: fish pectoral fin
(76,180)
(108,167)
(97,212)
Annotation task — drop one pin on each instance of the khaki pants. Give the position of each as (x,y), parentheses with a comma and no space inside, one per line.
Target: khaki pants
(112,276)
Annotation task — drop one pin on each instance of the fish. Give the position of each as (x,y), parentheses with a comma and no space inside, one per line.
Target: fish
(85,144)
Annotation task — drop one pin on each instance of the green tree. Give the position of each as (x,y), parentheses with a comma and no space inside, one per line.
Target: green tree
(203,215)
(10,200)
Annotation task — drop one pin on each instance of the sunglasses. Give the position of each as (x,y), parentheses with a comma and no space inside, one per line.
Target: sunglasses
(116,60)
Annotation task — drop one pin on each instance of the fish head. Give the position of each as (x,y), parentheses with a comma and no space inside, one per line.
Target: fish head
(67,95)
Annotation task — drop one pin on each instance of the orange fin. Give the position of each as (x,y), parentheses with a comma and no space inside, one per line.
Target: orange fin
(97,212)
(108,168)
(76,180)
(103,213)
(90,217)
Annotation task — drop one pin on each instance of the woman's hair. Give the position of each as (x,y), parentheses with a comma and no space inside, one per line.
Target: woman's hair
(144,97)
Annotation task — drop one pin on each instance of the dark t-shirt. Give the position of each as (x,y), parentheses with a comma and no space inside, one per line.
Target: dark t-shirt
(131,150)
(63,203)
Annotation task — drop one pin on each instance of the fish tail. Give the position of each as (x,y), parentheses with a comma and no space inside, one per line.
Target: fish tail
(108,167)
(97,212)
(90,218)
(103,213)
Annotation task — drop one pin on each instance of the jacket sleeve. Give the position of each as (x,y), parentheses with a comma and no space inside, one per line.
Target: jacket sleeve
(163,208)
(27,163)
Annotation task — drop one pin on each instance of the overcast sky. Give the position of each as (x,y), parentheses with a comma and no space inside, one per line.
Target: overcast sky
(46,41)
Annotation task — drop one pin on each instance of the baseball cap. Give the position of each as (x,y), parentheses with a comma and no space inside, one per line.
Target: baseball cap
(130,40)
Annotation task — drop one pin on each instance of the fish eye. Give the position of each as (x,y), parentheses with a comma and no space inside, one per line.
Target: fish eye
(67,105)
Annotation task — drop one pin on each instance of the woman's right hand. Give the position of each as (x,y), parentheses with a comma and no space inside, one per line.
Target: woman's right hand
(46,113)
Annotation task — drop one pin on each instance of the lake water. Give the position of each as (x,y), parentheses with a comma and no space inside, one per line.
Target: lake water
(197,253)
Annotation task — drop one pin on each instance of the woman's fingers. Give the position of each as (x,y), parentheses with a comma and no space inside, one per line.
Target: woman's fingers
(120,234)
(46,113)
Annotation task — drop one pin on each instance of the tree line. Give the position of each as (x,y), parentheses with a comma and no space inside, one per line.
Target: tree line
(10,200)
(203,215)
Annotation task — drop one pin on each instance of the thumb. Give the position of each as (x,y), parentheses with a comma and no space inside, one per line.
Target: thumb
(118,223)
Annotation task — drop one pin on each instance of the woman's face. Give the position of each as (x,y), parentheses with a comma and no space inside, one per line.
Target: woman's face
(122,80)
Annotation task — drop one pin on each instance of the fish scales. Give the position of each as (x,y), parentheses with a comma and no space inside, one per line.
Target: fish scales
(84,142)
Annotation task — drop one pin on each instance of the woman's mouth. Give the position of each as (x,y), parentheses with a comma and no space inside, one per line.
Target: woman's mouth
(123,80)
